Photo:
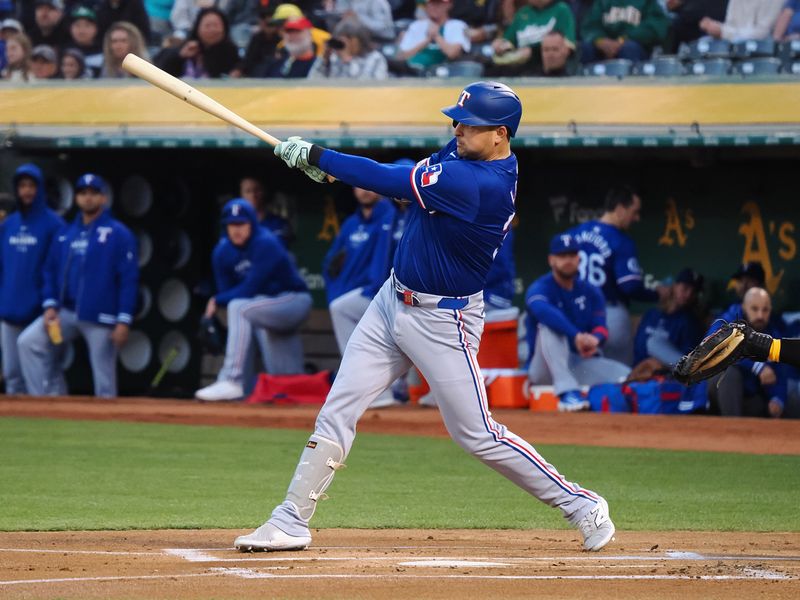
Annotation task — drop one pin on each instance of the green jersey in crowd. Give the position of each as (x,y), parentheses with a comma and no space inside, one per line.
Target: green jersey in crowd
(642,21)
(530,24)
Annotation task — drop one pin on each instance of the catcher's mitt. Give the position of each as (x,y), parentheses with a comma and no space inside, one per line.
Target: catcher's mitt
(721,349)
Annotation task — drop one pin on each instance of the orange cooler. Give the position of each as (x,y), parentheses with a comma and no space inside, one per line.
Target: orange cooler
(498,349)
(504,388)
(542,398)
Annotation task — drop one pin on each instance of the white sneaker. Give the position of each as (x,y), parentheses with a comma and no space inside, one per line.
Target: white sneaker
(270,538)
(596,527)
(219,391)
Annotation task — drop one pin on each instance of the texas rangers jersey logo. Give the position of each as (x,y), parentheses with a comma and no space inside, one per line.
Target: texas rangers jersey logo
(430,174)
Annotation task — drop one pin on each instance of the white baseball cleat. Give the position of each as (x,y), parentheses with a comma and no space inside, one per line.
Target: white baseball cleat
(270,538)
(220,391)
(597,527)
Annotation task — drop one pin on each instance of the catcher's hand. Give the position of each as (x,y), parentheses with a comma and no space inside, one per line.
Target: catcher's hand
(721,349)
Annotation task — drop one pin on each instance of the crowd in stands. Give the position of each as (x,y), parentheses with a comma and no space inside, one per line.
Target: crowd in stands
(579,331)
(377,39)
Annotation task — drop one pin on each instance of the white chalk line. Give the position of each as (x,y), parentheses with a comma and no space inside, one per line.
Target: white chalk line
(66,551)
(109,578)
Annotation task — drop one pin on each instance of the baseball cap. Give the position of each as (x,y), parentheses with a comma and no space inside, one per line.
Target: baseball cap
(90,180)
(44,52)
(284,12)
(563,243)
(82,12)
(297,24)
(57,4)
(754,270)
(236,211)
(691,278)
(11,24)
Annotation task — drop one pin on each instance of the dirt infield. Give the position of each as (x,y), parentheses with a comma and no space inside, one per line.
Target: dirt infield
(412,563)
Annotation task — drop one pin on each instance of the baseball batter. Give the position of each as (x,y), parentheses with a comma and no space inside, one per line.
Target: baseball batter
(430,313)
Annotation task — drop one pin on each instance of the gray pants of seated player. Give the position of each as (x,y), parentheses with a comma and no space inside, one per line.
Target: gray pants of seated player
(443,344)
(554,364)
(12,370)
(281,317)
(37,353)
(726,392)
(660,348)
(619,345)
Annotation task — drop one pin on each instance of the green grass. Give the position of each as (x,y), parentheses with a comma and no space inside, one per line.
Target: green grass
(95,475)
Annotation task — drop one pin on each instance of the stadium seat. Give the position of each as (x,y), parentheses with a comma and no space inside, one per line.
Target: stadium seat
(753,49)
(705,48)
(461,68)
(663,66)
(793,68)
(759,66)
(619,67)
(789,53)
(712,66)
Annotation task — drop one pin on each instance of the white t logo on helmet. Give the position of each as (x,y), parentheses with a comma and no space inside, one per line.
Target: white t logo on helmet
(463,98)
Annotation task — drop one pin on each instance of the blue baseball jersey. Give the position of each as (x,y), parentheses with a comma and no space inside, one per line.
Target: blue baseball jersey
(682,328)
(366,246)
(461,212)
(610,262)
(568,312)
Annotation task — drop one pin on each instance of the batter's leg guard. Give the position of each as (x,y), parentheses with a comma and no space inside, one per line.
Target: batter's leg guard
(318,464)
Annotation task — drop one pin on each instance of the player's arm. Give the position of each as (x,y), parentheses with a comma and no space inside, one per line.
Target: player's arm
(257,276)
(628,273)
(598,308)
(547,314)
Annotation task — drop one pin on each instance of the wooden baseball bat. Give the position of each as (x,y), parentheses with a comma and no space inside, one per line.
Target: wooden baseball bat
(180,89)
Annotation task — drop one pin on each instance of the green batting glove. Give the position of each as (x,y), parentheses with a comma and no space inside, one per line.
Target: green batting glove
(294,152)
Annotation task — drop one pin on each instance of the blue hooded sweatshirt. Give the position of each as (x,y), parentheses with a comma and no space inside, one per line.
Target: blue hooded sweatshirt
(93,270)
(25,239)
(261,267)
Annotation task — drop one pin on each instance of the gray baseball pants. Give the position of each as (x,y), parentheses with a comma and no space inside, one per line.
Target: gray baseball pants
(619,345)
(443,344)
(553,363)
(12,370)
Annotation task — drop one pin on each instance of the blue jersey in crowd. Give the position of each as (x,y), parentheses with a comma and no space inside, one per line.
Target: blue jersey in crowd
(92,269)
(25,239)
(682,328)
(751,369)
(568,312)
(363,249)
(609,261)
(499,289)
(260,267)
(279,227)
(399,225)
(462,210)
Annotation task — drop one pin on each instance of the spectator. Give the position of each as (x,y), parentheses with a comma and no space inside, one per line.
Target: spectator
(85,37)
(350,55)
(44,62)
(749,388)
(263,46)
(110,12)
(787,26)
(121,38)
(90,288)
(556,56)
(609,261)
(664,335)
(25,238)
(7,28)
(521,44)
(357,265)
(73,65)
(209,51)
(159,11)
(18,59)
(498,291)
(241,15)
(7,9)
(435,38)
(50,25)
(261,289)
(375,15)
(686,16)
(566,329)
(298,53)
(623,29)
(744,20)
(286,12)
(748,275)
(252,189)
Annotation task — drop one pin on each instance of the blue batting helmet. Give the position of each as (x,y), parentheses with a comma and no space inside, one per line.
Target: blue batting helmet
(487,103)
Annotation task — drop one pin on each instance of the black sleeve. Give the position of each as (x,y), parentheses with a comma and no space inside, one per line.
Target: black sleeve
(790,352)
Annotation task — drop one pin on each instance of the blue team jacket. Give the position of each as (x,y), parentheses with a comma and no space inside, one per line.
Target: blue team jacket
(105,278)
(25,239)
(260,267)
(367,247)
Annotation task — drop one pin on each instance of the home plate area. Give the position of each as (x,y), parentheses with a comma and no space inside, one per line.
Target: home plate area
(399,564)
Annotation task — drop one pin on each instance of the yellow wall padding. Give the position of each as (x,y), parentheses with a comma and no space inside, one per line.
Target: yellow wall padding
(329,107)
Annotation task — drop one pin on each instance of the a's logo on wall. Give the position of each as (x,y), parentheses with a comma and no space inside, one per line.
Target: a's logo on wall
(330,221)
(679,223)
(756,246)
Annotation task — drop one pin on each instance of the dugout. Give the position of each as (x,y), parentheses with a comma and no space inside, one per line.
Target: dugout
(715,161)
